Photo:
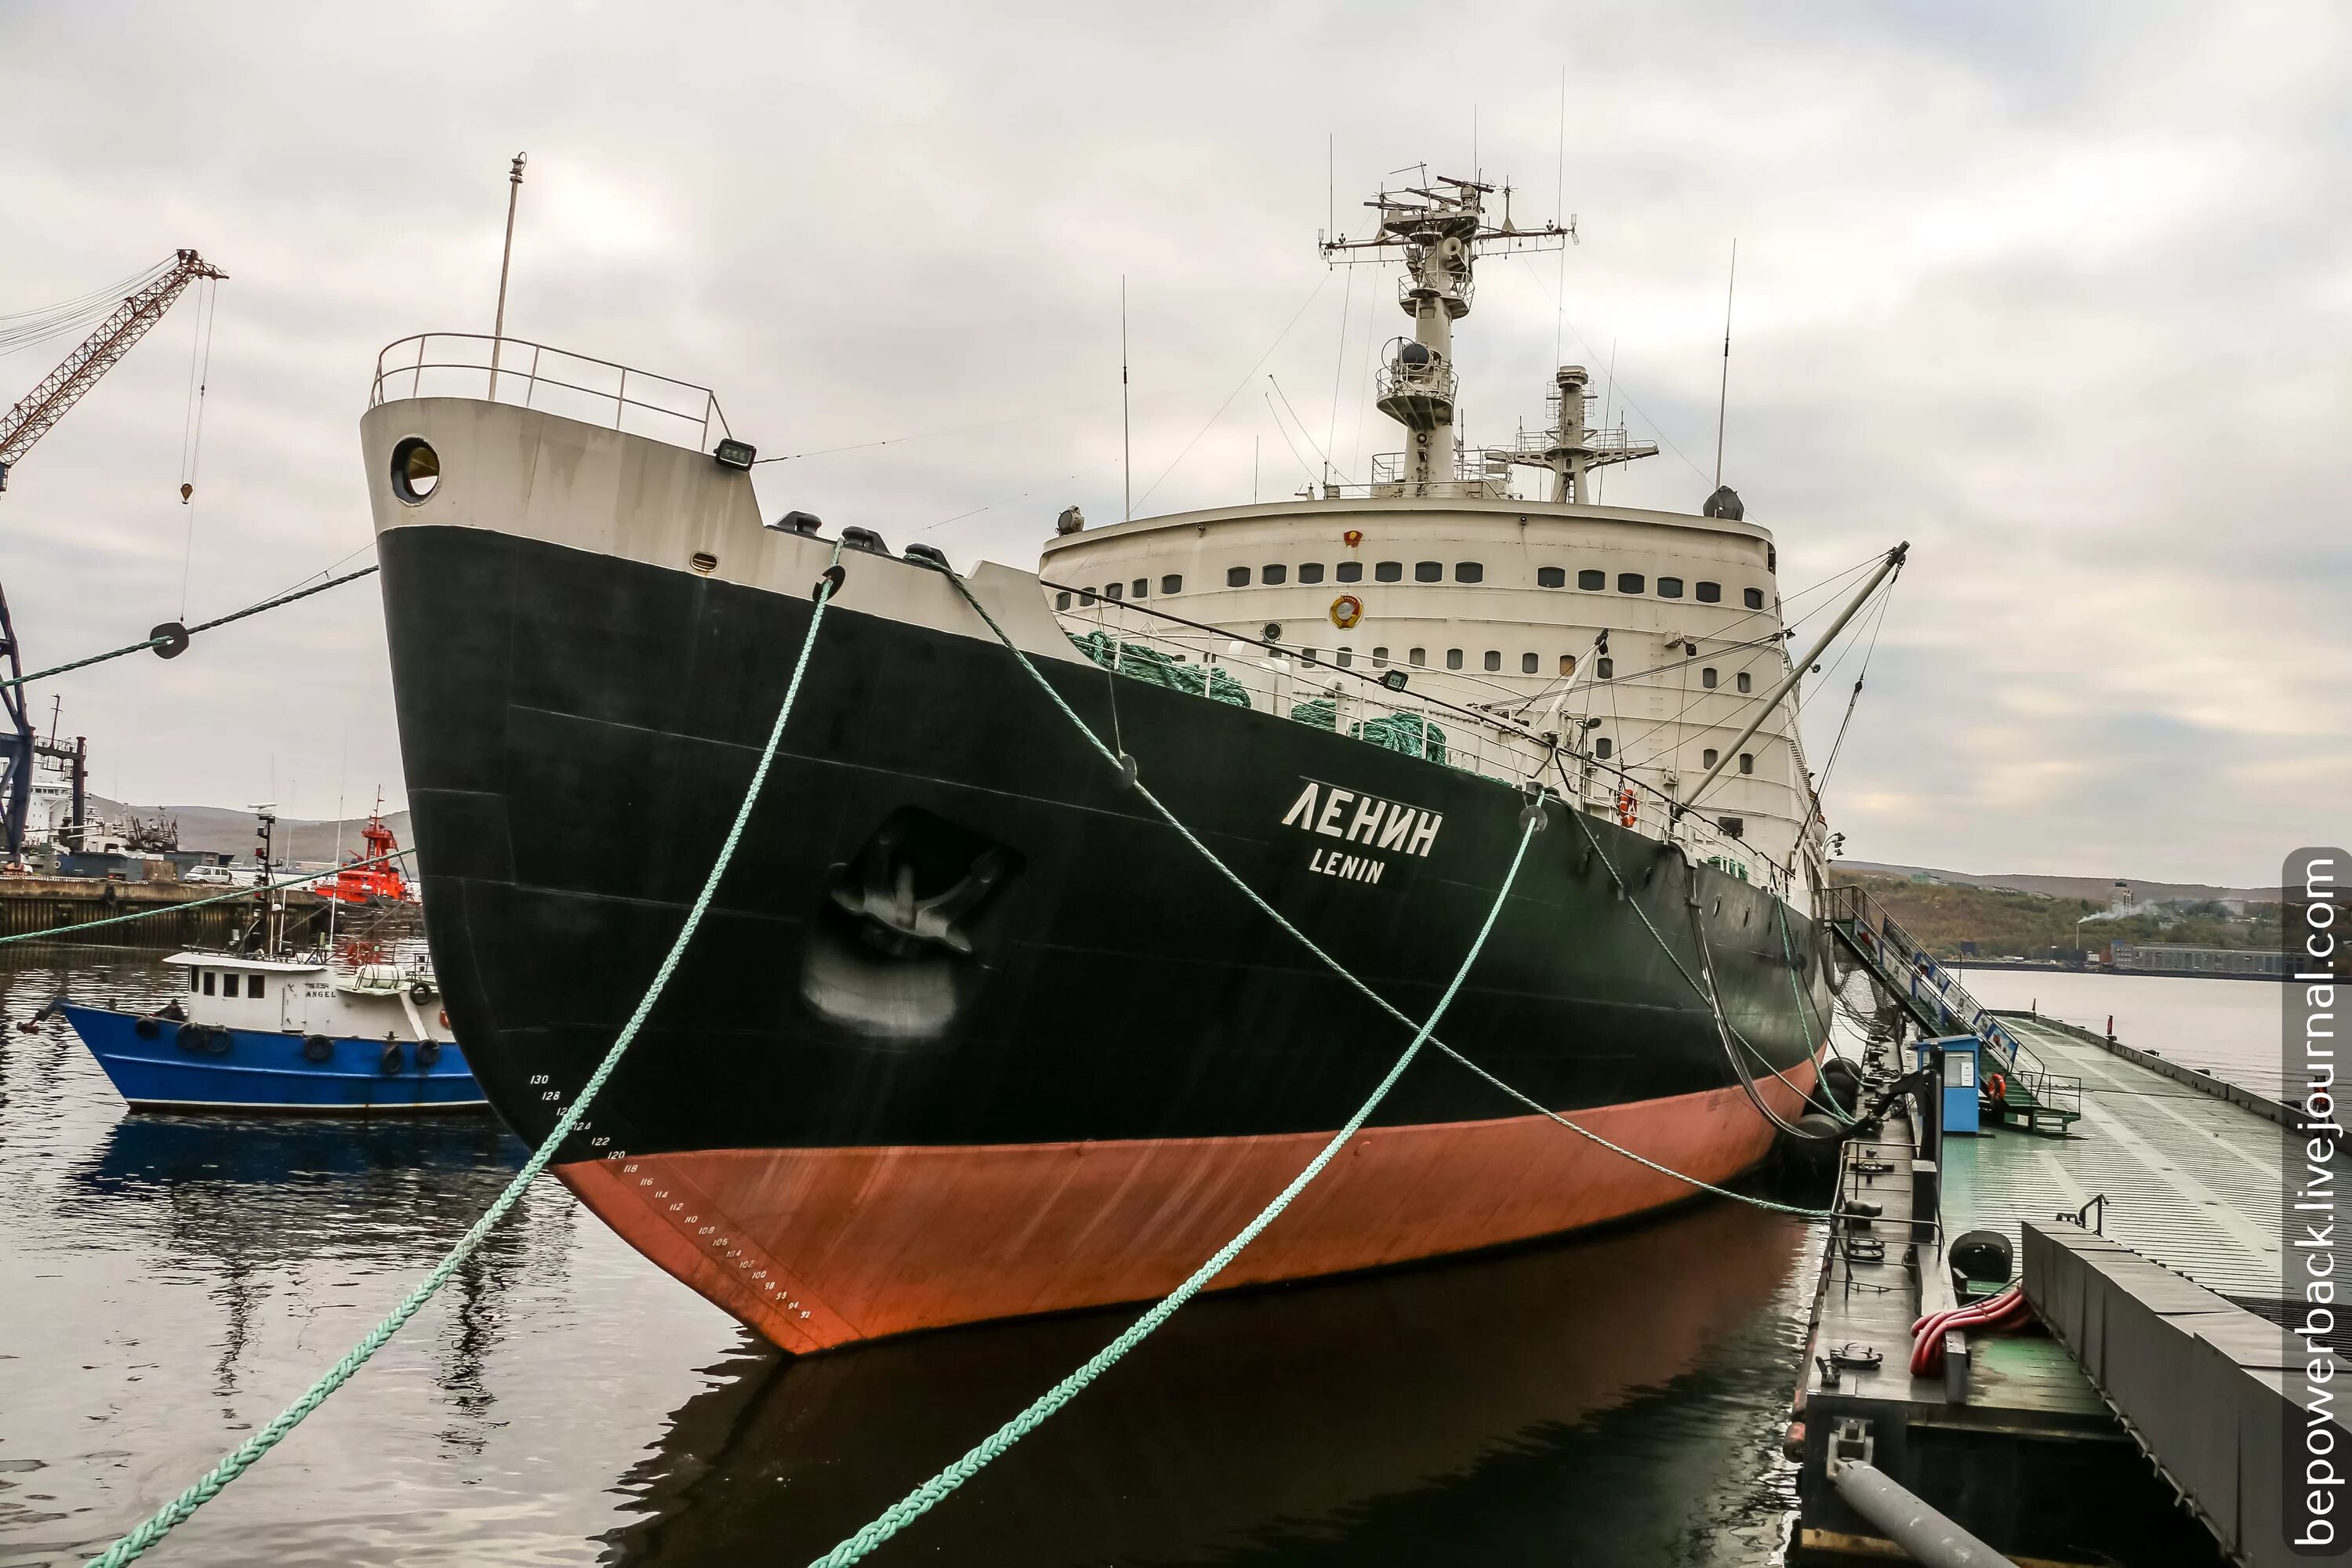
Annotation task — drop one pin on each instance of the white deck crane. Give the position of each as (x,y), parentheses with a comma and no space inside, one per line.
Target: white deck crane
(35,416)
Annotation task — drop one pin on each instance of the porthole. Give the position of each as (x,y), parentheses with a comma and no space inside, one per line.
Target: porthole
(1746,761)
(1453,658)
(1388,570)
(1670,587)
(416,470)
(1592,582)
(1469,572)
(1171,583)
(1310,572)
(1745,683)
(1605,667)
(704,561)
(1603,747)
(1114,592)
(1493,659)
(1140,589)
(1272,576)
(1350,571)
(1568,664)
(1237,577)
(1528,664)
(1753,596)
(1429,570)
(1347,656)
(1061,600)
(1418,657)
(1708,758)
(1551,576)
(1380,658)
(1706,678)
(1629,582)
(1709,592)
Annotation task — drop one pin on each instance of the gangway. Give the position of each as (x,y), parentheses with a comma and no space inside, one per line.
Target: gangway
(2018,1091)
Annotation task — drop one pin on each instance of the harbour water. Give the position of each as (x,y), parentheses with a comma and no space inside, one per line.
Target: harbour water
(2228,1028)
(171,1283)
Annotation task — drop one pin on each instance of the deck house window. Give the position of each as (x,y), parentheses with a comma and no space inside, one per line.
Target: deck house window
(1453,658)
(1272,576)
(1086,598)
(1311,572)
(1389,572)
(208,981)
(1380,658)
(1568,664)
(1706,678)
(1061,600)
(1140,589)
(1592,582)
(1745,683)
(253,985)
(1528,663)
(1629,582)
(1417,656)
(1171,583)
(193,978)
(1754,597)
(1670,587)
(1307,654)
(1602,748)
(1606,669)
(1737,826)
(1429,570)
(1347,656)
(1469,572)
(1708,757)
(1551,576)
(1350,572)
(1494,658)
(1236,576)
(1746,761)
(1114,593)
(1710,592)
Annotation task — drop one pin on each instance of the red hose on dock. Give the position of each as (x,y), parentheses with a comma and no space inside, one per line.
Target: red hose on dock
(2007,1309)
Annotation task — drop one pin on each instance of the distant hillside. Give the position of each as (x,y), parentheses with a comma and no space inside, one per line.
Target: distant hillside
(2005,922)
(221,829)
(2099,890)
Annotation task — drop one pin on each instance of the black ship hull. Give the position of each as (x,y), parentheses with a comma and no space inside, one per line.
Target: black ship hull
(969,1031)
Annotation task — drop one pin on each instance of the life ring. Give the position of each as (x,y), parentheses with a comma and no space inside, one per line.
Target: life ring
(1346,611)
(318,1048)
(428,1051)
(391,1060)
(1997,1087)
(1629,809)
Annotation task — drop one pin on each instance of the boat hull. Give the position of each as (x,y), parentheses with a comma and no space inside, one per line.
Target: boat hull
(257,1071)
(1077,1086)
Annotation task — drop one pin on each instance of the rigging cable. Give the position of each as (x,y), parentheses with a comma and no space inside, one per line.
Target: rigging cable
(1237,392)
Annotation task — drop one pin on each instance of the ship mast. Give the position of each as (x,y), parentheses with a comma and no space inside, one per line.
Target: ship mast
(1439,229)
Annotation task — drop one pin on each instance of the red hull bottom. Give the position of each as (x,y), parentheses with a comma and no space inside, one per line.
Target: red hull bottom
(815,1248)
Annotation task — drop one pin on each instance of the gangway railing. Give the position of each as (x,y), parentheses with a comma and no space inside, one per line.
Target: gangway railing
(554,381)
(2031,1094)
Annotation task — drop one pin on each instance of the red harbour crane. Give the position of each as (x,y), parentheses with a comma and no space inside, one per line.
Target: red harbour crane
(35,416)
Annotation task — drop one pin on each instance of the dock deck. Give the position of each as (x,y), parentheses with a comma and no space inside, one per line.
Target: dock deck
(2030,1455)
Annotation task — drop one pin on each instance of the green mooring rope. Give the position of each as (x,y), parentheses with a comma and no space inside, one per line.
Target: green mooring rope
(208,1486)
(1336,967)
(191,631)
(307,880)
(916,1503)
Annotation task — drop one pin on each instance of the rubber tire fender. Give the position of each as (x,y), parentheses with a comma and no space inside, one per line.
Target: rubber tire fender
(146,1028)
(218,1041)
(391,1060)
(189,1037)
(317,1049)
(428,1051)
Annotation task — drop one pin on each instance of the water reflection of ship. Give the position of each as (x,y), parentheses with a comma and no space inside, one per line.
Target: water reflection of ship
(1254,1426)
(262,1202)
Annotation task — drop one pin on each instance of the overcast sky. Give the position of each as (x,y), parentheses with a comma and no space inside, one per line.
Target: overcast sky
(2059,293)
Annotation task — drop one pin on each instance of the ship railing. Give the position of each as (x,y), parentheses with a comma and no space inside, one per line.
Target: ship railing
(554,381)
(1448,718)
(1431,378)
(1939,994)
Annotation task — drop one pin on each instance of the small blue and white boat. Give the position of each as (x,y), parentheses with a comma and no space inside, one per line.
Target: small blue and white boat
(255,1034)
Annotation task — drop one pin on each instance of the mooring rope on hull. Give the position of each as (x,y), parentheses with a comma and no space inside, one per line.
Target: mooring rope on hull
(162,638)
(234,1464)
(1333,964)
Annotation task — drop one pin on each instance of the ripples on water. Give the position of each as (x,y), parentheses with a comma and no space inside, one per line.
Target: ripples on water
(169,1284)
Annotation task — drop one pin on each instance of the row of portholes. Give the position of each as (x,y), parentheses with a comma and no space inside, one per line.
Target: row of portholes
(1604,668)
(1170,584)
(1311,572)
(1591,580)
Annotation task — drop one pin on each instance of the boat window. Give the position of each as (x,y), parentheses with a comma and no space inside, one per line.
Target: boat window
(1113,592)
(1602,748)
(1528,663)
(1606,669)
(1140,589)
(1469,572)
(1745,684)
(1453,658)
(1706,678)
(1310,572)
(1629,582)
(1429,570)
(1086,598)
(208,981)
(1171,583)
(1551,576)
(1350,571)
(1493,659)
(1670,587)
(1307,654)
(1707,759)
(193,978)
(1347,656)
(1710,592)
(1236,576)
(1755,597)
(1380,658)
(1417,655)
(1568,664)
(1734,826)
(1270,575)
(1746,761)
(1388,570)
(253,985)
(1061,600)
(1591,582)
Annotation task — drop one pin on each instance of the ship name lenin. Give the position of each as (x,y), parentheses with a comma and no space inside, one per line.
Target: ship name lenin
(1374,823)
